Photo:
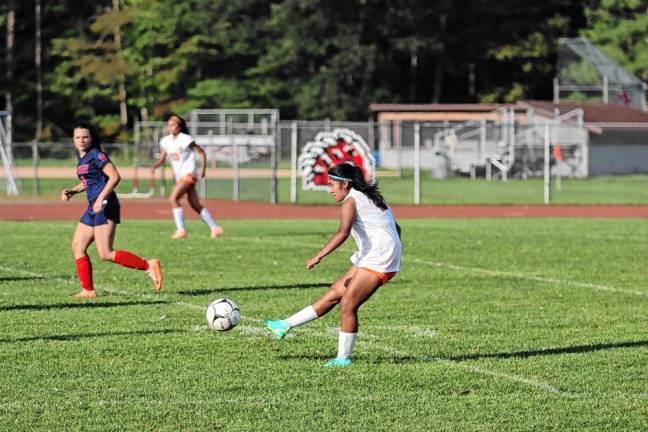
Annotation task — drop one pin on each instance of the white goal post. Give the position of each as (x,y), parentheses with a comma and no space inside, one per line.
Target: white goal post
(6,154)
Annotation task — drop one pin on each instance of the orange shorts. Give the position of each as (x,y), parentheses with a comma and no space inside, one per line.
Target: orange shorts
(189,178)
(384,277)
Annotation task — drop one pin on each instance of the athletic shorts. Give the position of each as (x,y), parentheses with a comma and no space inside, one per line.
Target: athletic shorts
(384,277)
(189,178)
(110,211)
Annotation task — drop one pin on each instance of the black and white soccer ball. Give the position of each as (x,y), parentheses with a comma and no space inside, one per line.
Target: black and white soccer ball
(223,314)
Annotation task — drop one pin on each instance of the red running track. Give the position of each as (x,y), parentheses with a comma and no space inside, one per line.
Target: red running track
(221,209)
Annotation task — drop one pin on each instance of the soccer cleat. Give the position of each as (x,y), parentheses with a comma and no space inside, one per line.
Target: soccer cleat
(217,232)
(179,234)
(155,273)
(279,327)
(338,362)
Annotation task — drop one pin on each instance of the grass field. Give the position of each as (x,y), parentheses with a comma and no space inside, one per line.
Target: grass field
(501,324)
(594,190)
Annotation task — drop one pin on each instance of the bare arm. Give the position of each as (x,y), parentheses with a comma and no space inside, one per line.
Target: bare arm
(159,162)
(68,193)
(343,231)
(113,180)
(203,157)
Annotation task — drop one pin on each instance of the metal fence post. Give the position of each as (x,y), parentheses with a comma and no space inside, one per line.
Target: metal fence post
(275,153)
(399,147)
(235,161)
(35,188)
(417,163)
(293,163)
(547,177)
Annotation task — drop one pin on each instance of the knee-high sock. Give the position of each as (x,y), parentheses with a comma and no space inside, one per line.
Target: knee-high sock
(346,341)
(84,272)
(178,217)
(304,316)
(130,260)
(207,218)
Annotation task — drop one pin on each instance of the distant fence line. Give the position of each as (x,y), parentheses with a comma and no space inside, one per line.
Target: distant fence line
(487,150)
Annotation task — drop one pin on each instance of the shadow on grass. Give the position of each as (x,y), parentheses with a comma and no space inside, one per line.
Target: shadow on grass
(254,288)
(318,357)
(84,305)
(396,359)
(26,278)
(578,349)
(76,337)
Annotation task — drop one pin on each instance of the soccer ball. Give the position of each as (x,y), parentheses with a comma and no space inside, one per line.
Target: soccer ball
(223,314)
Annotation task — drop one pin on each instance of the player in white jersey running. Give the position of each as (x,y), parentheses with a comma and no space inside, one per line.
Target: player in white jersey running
(368,218)
(181,150)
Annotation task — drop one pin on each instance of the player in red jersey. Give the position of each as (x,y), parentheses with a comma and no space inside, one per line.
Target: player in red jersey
(99,177)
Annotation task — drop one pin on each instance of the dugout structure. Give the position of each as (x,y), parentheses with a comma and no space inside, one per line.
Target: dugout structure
(241,148)
(585,73)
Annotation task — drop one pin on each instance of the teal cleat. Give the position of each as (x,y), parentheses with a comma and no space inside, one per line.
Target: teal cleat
(280,328)
(338,362)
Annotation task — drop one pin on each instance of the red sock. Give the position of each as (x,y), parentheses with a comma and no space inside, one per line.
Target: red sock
(130,260)
(84,271)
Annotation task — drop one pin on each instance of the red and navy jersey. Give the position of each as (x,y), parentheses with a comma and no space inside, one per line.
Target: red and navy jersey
(90,172)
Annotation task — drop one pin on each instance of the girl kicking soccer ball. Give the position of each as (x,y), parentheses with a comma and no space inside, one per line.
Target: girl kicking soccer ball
(99,177)
(181,149)
(368,218)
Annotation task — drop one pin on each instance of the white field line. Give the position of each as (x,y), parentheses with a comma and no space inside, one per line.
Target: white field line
(249,330)
(481,371)
(476,270)
(527,276)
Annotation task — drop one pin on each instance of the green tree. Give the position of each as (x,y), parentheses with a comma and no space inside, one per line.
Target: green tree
(94,70)
(618,27)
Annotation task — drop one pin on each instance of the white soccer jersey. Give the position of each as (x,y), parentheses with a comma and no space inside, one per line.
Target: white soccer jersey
(182,157)
(374,231)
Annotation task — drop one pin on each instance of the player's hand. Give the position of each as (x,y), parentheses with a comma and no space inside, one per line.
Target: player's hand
(97,207)
(66,194)
(202,174)
(312,262)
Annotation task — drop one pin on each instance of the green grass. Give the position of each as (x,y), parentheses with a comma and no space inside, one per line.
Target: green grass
(455,191)
(502,324)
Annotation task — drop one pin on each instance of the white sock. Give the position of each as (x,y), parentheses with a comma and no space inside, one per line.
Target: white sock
(346,341)
(178,217)
(207,218)
(305,315)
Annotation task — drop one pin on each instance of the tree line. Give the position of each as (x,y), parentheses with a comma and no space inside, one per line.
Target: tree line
(114,61)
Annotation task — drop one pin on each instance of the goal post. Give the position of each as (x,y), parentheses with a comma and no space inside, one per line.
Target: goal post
(8,176)
(240,145)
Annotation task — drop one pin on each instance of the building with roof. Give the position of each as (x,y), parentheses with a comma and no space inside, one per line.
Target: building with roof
(508,139)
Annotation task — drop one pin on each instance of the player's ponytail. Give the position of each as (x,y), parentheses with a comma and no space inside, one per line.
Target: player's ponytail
(95,138)
(183,124)
(356,179)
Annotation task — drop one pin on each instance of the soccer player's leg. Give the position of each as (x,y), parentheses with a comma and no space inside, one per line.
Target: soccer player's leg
(215,229)
(327,302)
(179,190)
(82,238)
(363,285)
(104,240)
